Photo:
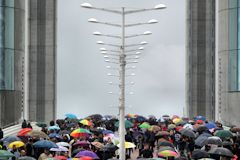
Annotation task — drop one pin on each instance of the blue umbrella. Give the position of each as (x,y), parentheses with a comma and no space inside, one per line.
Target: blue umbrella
(53,128)
(71,116)
(199,118)
(211,125)
(54,135)
(45,144)
(10,139)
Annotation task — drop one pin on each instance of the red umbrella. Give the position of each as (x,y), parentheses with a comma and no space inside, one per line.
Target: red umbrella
(60,158)
(24,131)
(199,121)
(86,158)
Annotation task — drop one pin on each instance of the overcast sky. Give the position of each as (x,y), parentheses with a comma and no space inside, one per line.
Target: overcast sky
(82,83)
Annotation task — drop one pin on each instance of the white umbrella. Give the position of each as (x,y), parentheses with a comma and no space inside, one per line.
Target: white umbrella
(60,149)
(64,144)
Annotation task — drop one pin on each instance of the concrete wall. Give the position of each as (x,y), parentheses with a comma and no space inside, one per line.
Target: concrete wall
(200,58)
(42,60)
(228,101)
(11,100)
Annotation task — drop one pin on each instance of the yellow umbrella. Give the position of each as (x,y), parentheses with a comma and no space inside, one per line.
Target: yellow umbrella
(17,144)
(86,122)
(177,120)
(128,145)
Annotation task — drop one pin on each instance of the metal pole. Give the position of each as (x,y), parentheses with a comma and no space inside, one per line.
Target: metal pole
(122,92)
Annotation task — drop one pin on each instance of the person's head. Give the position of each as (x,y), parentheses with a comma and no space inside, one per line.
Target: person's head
(22,153)
(46,151)
(146,146)
(14,148)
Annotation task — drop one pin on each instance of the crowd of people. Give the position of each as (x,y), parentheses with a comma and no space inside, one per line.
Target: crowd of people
(96,137)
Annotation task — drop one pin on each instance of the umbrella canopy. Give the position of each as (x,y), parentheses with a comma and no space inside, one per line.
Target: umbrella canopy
(235,129)
(131,116)
(86,122)
(64,144)
(167,153)
(162,133)
(109,148)
(201,128)
(188,133)
(61,132)
(81,143)
(223,134)
(201,140)
(171,126)
(44,144)
(17,144)
(199,121)
(221,152)
(214,140)
(41,124)
(87,153)
(211,125)
(24,131)
(144,125)
(128,124)
(177,120)
(37,134)
(165,144)
(10,139)
(128,145)
(54,135)
(59,149)
(80,132)
(71,116)
(199,154)
(154,128)
(140,118)
(5,154)
(98,145)
(53,128)
(107,132)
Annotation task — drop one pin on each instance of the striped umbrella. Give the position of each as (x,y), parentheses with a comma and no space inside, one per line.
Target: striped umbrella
(80,132)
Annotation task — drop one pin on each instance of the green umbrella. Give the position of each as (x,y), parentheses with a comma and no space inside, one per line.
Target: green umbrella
(5,154)
(223,134)
(41,124)
(144,125)
(128,124)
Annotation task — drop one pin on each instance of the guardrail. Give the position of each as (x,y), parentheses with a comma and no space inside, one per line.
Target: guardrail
(13,130)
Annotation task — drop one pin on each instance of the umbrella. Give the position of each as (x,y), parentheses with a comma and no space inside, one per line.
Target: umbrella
(214,140)
(71,116)
(60,158)
(188,126)
(87,153)
(86,122)
(188,133)
(128,145)
(199,121)
(76,151)
(85,158)
(109,148)
(17,144)
(81,143)
(151,117)
(59,149)
(131,116)
(223,134)
(80,132)
(107,132)
(61,132)
(54,135)
(26,158)
(166,117)
(140,118)
(154,128)
(165,144)
(53,128)
(144,125)
(41,124)
(198,154)
(220,151)
(171,126)
(201,140)
(37,134)
(177,120)
(128,124)
(200,118)
(64,144)
(166,148)
(162,133)
(175,116)
(98,145)
(10,139)
(167,153)
(235,129)
(210,125)
(201,128)
(24,131)
(96,117)
(5,154)
(44,144)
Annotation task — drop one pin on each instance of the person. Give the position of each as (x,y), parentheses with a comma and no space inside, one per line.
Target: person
(29,125)
(24,124)
(29,147)
(1,133)
(15,152)
(146,152)
(45,155)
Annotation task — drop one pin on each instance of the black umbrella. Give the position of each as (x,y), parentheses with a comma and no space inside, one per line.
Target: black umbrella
(109,148)
(214,140)
(198,154)
(165,144)
(188,133)
(201,128)
(201,140)
(220,151)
